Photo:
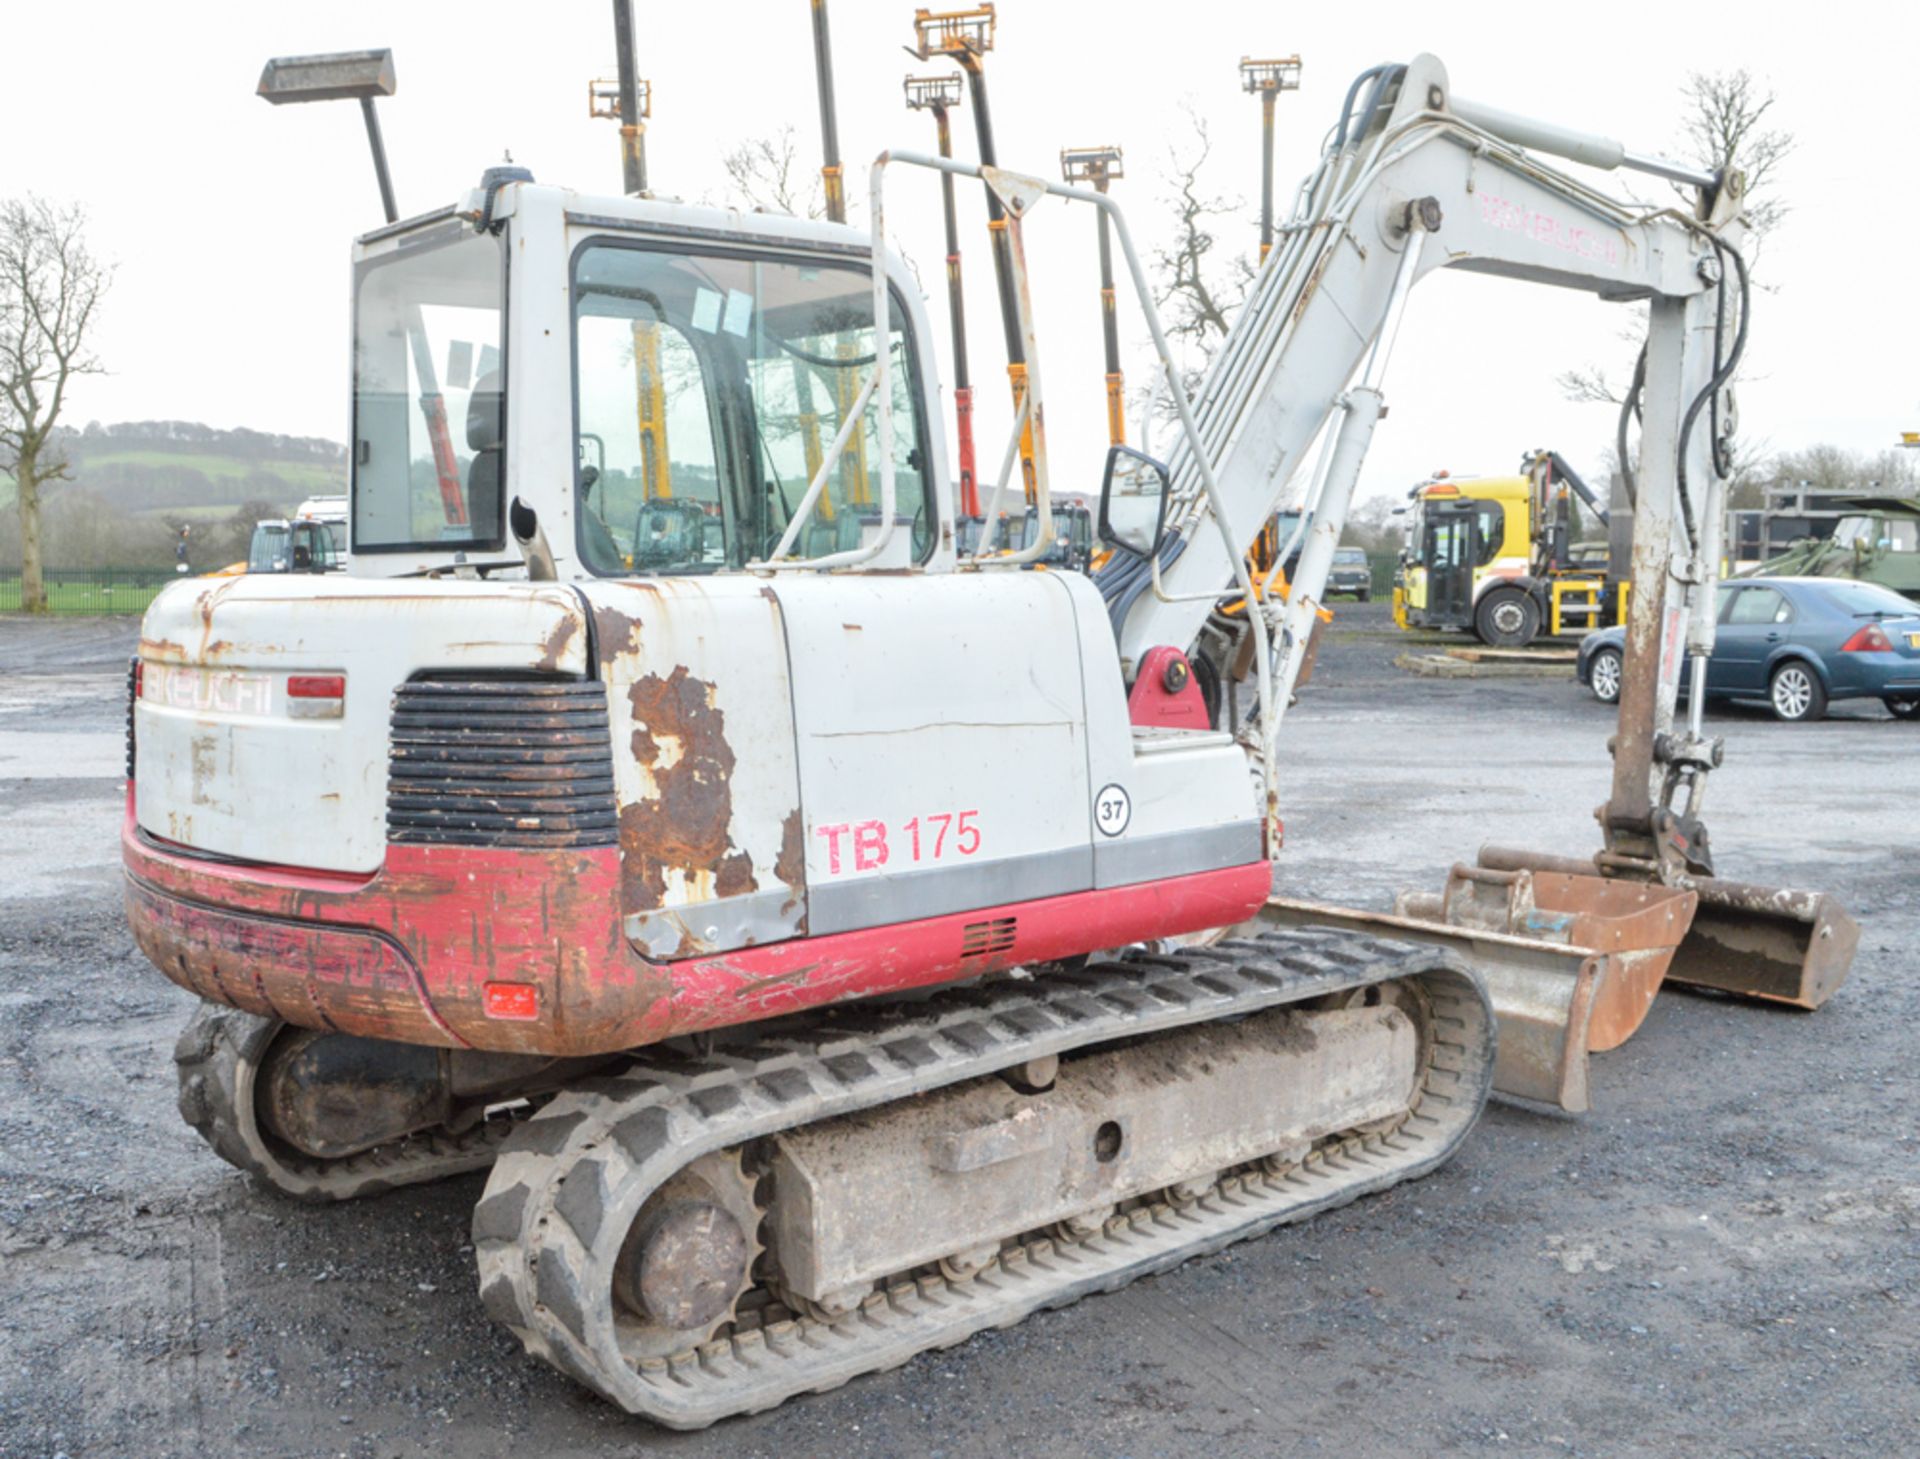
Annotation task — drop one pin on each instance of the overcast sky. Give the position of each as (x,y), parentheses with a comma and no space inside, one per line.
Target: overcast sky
(230,221)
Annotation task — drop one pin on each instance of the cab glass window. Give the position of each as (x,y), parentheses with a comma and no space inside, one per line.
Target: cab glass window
(710,386)
(429,396)
(1492,517)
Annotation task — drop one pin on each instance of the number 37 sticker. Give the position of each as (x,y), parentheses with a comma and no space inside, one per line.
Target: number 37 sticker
(1112,809)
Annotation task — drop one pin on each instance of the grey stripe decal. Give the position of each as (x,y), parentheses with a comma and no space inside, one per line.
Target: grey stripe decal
(1131,859)
(876,901)
(879,901)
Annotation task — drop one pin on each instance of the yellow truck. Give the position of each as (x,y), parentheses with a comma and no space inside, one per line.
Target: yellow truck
(1491,555)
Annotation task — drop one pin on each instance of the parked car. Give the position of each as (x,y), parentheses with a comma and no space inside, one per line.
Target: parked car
(1350,573)
(1797,644)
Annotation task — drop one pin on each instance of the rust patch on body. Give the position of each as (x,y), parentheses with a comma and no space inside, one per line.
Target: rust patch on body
(554,647)
(791,867)
(682,828)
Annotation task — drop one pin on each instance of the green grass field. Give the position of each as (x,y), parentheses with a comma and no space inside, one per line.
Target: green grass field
(314,478)
(94,593)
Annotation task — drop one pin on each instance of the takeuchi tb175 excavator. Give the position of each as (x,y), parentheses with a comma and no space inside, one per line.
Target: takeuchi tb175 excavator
(835,945)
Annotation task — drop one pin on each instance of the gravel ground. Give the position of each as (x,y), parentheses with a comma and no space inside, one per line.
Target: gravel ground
(1721,1259)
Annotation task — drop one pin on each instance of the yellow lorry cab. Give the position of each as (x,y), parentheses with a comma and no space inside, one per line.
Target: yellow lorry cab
(1467,535)
(1494,555)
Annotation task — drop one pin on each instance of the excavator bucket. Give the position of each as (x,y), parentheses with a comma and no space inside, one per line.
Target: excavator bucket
(1572,962)
(1776,943)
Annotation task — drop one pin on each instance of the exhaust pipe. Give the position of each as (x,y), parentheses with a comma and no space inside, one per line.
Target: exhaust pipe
(524,522)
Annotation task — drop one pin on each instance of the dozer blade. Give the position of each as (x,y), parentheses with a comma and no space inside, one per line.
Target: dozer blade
(1776,943)
(1542,992)
(1571,962)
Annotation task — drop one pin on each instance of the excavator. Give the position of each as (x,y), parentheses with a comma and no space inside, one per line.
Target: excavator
(833,945)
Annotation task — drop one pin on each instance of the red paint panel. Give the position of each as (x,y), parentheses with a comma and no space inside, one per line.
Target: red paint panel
(768,982)
(1151,705)
(421,951)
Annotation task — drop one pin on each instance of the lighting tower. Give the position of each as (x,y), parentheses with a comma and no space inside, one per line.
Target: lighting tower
(1100,166)
(940,95)
(629,101)
(1267,79)
(830,178)
(965,37)
(365,76)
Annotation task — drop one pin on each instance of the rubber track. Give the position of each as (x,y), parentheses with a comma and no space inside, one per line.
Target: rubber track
(217,1055)
(569,1183)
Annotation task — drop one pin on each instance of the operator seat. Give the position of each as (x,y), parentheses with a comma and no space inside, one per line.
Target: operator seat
(485,431)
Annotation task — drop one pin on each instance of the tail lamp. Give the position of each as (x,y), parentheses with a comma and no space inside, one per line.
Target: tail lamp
(1869,640)
(316,696)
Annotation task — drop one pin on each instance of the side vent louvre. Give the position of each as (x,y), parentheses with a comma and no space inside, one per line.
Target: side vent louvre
(487,762)
(984,939)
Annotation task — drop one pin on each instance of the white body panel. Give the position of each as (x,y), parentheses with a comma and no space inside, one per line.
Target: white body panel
(943,754)
(224,766)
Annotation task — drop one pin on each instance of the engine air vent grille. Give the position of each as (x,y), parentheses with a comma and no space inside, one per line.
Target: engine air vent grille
(984,939)
(512,763)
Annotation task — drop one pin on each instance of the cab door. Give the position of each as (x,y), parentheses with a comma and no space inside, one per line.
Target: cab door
(1450,547)
(1755,623)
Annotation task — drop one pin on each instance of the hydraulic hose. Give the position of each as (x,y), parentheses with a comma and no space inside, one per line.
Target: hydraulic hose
(1723,369)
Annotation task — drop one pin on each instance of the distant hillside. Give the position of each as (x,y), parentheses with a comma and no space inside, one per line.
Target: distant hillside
(149,467)
(135,482)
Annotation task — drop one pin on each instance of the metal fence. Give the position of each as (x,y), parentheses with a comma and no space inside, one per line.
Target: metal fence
(1383,564)
(130,589)
(90,589)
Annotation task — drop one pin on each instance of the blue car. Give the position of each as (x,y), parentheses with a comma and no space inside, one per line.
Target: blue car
(1797,644)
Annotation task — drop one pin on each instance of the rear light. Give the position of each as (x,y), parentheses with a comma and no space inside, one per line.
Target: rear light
(316,696)
(317,686)
(1869,640)
(511,1000)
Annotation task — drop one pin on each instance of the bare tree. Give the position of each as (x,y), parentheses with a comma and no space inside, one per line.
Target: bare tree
(51,286)
(769,173)
(1201,298)
(1725,128)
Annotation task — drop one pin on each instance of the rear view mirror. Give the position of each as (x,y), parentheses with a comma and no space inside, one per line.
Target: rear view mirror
(1133,502)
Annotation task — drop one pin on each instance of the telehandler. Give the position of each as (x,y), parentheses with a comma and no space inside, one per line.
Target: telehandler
(836,946)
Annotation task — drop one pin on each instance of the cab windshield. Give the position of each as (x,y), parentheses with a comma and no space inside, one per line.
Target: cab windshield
(428,392)
(1893,534)
(710,387)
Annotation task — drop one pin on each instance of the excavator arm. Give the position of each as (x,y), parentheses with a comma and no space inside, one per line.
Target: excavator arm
(1414,181)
